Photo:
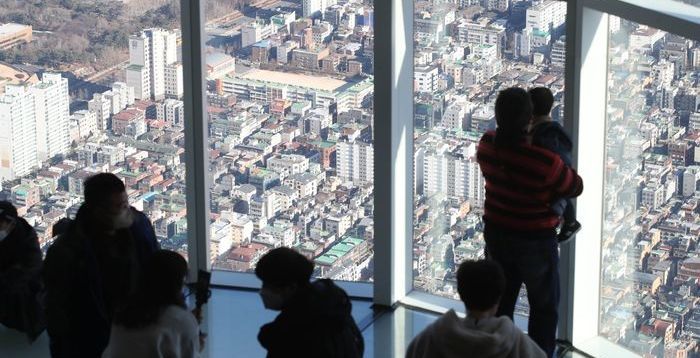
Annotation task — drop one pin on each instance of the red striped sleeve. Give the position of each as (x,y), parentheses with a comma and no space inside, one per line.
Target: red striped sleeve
(522,182)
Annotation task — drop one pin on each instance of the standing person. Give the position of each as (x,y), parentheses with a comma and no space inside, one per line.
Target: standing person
(550,135)
(314,319)
(20,279)
(520,228)
(481,334)
(93,267)
(155,323)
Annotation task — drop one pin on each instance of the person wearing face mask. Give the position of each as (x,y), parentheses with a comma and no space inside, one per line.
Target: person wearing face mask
(93,267)
(155,322)
(20,281)
(315,318)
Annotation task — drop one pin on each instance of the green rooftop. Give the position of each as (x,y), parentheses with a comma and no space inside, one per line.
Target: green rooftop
(540,33)
(134,67)
(338,251)
(324,144)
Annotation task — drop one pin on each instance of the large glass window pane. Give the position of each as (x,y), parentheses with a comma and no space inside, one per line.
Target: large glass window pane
(672,3)
(691,2)
(89,87)
(465,54)
(650,258)
(290,92)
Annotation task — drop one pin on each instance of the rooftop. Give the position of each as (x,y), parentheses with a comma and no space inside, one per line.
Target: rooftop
(13,75)
(292,79)
(12,28)
(338,250)
(215,59)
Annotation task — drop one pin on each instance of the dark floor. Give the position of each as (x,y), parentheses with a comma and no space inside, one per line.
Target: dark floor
(234,318)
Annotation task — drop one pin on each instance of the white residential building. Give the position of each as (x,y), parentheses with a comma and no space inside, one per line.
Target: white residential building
(542,19)
(150,53)
(558,55)
(311,8)
(546,16)
(694,124)
(86,122)
(138,73)
(455,115)
(171,111)
(124,96)
(691,177)
(36,120)
(52,115)
(355,162)
(256,31)
(497,5)
(288,164)
(106,104)
(174,83)
(426,79)
(102,107)
(242,228)
(221,237)
(305,184)
(482,31)
(18,149)
(450,174)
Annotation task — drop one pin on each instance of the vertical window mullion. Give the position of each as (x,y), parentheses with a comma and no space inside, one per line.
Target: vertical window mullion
(590,96)
(196,136)
(394,150)
(567,258)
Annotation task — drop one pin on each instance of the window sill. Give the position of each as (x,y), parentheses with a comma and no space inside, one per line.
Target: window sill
(248,281)
(601,347)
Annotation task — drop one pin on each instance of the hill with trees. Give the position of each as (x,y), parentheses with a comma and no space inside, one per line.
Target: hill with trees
(89,32)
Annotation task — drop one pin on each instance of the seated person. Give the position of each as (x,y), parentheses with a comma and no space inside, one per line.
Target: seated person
(155,323)
(314,319)
(481,334)
(20,268)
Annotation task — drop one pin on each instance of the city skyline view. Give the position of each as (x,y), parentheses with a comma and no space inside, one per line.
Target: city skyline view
(90,86)
(463,57)
(290,119)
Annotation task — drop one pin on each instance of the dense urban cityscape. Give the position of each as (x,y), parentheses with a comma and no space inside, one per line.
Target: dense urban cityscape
(651,263)
(290,120)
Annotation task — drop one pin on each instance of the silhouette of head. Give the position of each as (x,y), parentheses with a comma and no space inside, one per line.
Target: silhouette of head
(480,285)
(542,101)
(282,271)
(106,199)
(513,114)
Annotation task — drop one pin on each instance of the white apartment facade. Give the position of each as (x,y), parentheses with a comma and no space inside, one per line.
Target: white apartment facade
(152,63)
(355,162)
(36,120)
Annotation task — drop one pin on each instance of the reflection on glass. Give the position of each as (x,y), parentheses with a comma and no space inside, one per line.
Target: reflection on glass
(290,120)
(463,56)
(650,261)
(89,87)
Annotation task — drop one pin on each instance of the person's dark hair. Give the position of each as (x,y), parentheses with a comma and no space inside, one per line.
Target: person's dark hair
(480,284)
(7,210)
(100,187)
(61,227)
(284,266)
(513,113)
(542,101)
(159,287)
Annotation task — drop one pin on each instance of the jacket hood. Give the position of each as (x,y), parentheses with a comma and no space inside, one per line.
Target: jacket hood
(456,337)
